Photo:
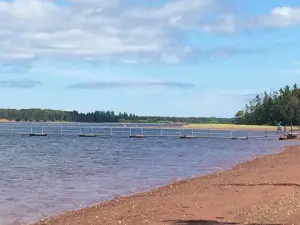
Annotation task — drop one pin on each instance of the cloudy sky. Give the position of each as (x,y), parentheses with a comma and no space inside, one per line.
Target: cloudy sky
(163,57)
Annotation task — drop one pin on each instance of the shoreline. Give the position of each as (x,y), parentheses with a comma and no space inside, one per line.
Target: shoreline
(236,127)
(249,192)
(204,126)
(191,125)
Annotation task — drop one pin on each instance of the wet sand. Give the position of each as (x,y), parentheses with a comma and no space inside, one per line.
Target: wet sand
(265,190)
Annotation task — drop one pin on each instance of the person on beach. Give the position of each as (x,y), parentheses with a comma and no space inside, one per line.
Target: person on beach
(279,128)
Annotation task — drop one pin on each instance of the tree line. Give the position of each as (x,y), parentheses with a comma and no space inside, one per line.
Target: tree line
(44,115)
(282,105)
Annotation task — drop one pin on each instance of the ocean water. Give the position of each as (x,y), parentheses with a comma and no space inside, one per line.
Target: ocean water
(49,175)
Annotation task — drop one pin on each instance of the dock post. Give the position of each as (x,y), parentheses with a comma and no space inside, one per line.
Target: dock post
(12,129)
(192,132)
(130,132)
(142,131)
(31,130)
(231,134)
(61,130)
(92,130)
(42,129)
(266,135)
(161,131)
(111,131)
(80,130)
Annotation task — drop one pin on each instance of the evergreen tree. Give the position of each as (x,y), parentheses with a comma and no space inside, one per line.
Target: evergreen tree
(278,106)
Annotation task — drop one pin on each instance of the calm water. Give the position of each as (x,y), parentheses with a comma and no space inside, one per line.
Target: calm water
(46,175)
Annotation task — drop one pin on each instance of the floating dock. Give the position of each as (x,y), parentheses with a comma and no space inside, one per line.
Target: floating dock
(84,130)
(38,135)
(87,135)
(188,137)
(289,136)
(137,136)
(191,137)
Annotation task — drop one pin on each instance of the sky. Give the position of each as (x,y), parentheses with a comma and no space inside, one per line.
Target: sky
(165,57)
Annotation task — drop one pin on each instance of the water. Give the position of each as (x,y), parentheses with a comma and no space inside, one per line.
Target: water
(47,175)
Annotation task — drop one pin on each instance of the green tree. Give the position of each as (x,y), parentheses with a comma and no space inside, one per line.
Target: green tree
(278,106)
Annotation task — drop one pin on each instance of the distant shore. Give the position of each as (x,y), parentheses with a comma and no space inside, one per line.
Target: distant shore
(221,127)
(262,191)
(231,127)
(204,125)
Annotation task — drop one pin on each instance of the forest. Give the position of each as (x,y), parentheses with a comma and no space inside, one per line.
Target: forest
(270,108)
(266,109)
(45,115)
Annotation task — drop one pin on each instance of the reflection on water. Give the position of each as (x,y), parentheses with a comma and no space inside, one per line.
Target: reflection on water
(46,175)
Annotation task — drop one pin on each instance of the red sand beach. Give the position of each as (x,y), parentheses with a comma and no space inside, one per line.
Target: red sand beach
(265,190)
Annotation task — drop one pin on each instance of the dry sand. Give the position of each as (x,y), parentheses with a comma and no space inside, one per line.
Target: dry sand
(6,121)
(265,190)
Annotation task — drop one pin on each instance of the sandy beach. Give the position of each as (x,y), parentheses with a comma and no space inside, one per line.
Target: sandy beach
(262,191)
(232,127)
(6,121)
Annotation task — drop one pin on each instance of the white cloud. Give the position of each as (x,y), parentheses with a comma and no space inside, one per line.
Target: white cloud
(278,17)
(283,17)
(111,30)
(95,30)
(171,9)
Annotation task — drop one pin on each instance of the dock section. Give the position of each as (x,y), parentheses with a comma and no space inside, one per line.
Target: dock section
(38,135)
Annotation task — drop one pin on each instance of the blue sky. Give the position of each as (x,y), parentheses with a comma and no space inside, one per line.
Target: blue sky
(168,58)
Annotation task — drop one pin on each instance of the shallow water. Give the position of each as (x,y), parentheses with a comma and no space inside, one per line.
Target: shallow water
(46,175)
